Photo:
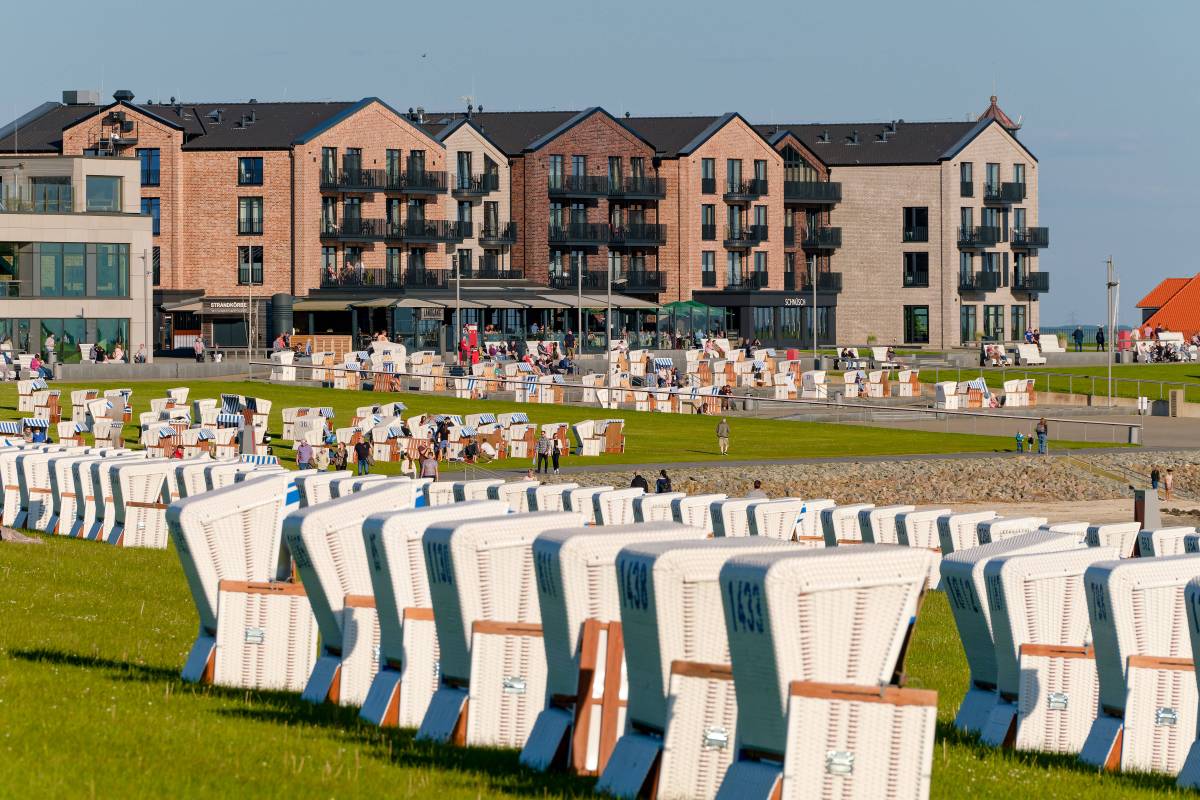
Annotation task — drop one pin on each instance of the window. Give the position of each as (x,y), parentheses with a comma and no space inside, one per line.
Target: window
(1019,173)
(760,217)
(966,268)
(352,162)
(795,168)
(708,222)
(112,270)
(329,265)
(149,158)
(250,215)
(556,172)
(637,167)
(966,179)
(614,171)
(760,262)
(916,224)
(416,164)
(578,261)
(556,215)
(464,261)
(993,323)
(103,193)
(1020,268)
(578,165)
(556,263)
(916,269)
(464,212)
(393,265)
(51,193)
(760,169)
(329,164)
(416,209)
(491,216)
(733,172)
(966,218)
(416,259)
(250,266)
(708,175)
(734,218)
(1017,316)
(157,261)
(393,211)
(916,324)
(708,268)
(1019,218)
(250,171)
(391,167)
(614,264)
(74,270)
(150,205)
(989,217)
(615,213)
(578,213)
(352,256)
(992,178)
(967,324)
(464,169)
(733,264)
(329,212)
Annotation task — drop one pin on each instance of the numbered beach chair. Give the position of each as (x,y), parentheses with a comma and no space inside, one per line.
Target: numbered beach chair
(474,490)
(1163,542)
(256,632)
(492,662)
(1189,773)
(440,493)
(920,529)
(655,507)
(326,544)
(580,501)
(408,653)
(777,519)
(314,485)
(877,525)
(817,640)
(581,623)
(961,531)
(999,528)
(963,583)
(1045,667)
(615,506)
(1147,712)
(839,524)
(549,497)
(514,494)
(731,516)
(696,510)
(141,493)
(682,712)
(1121,535)
(11,480)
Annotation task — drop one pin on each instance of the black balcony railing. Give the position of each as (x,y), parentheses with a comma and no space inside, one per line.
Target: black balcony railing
(641,281)
(1003,192)
(979,281)
(492,273)
(826,281)
(708,233)
(591,280)
(579,233)
(638,234)
(789,236)
(748,280)
(823,237)
(814,192)
(745,236)
(746,190)
(789,281)
(642,188)
(428,278)
(351,277)
(493,235)
(978,236)
(10,288)
(250,226)
(475,185)
(354,228)
(1030,238)
(1032,282)
(416,182)
(708,186)
(708,279)
(578,185)
(430,231)
(916,234)
(966,189)
(352,180)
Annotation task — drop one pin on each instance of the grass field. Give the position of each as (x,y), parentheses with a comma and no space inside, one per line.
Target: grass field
(1080,379)
(650,438)
(92,640)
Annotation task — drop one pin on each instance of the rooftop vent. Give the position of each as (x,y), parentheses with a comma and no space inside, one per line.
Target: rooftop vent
(420,114)
(824,137)
(81,97)
(123,96)
(852,138)
(214,116)
(890,127)
(252,117)
(253,100)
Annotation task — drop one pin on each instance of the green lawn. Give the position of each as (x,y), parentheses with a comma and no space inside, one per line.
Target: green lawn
(1080,379)
(92,639)
(650,438)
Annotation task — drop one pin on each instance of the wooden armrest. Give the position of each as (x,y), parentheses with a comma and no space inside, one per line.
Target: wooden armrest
(1057,651)
(891,695)
(506,628)
(700,669)
(257,587)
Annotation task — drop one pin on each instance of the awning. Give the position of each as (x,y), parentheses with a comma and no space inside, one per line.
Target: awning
(378,302)
(194,305)
(418,302)
(498,302)
(321,305)
(618,301)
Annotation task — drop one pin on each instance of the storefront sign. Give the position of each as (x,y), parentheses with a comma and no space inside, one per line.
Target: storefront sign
(225,306)
(429,313)
(793,301)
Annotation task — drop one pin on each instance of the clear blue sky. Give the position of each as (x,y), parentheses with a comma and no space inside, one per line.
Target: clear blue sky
(1107,90)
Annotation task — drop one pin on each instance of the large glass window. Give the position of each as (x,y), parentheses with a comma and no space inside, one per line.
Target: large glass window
(708,175)
(993,323)
(50,269)
(708,268)
(556,172)
(916,224)
(916,269)
(103,193)
(614,171)
(967,323)
(391,166)
(250,215)
(763,328)
(578,165)
(464,169)
(250,171)
(250,265)
(1017,315)
(149,158)
(329,164)
(74,269)
(966,179)
(760,262)
(157,266)
(51,194)
(112,270)
(111,332)
(992,177)
(151,206)
(916,324)
(733,172)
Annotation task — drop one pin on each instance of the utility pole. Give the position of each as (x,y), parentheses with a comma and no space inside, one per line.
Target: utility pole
(608,313)
(579,307)
(458,326)
(812,276)
(1112,286)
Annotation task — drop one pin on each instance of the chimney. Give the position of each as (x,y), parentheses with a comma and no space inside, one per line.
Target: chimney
(123,96)
(80,97)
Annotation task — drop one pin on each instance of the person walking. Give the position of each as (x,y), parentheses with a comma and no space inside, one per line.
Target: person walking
(51,349)
(556,453)
(569,343)
(340,457)
(198,348)
(1043,432)
(723,436)
(1168,482)
(543,448)
(304,455)
(362,454)
(1020,442)
(663,484)
(639,482)
(1078,337)
(1100,340)
(1155,478)
(429,464)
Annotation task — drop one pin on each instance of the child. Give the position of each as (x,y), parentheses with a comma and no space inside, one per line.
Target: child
(1020,442)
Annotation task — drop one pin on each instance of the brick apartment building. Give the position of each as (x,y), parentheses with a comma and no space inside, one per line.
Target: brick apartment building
(922,233)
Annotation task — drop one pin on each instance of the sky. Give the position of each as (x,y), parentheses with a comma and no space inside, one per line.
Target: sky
(1106,90)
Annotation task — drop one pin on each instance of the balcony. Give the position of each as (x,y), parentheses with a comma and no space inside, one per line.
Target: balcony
(492,273)
(475,185)
(637,235)
(359,278)
(789,236)
(979,282)
(570,281)
(640,281)
(427,278)
(1003,193)
(429,231)
(354,230)
(747,281)
(826,282)
(745,191)
(1032,282)
(492,235)
(812,192)
(917,234)
(415,182)
(745,237)
(1029,238)
(642,188)
(822,238)
(578,185)
(39,198)
(352,180)
(585,234)
(708,186)
(978,236)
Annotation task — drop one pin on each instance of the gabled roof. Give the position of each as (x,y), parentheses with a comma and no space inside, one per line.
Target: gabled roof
(566,125)
(1159,295)
(145,110)
(40,130)
(993,111)
(511,131)
(670,134)
(349,111)
(1181,312)
(448,130)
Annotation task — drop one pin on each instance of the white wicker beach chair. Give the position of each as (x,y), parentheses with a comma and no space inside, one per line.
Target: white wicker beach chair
(474,490)
(1079,527)
(62,490)
(776,519)
(326,543)
(255,632)
(1045,668)
(999,528)
(514,494)
(219,474)
(141,494)
(920,529)
(655,507)
(408,673)
(105,516)
(440,493)
(963,583)
(839,524)
(1148,699)
(1189,773)
(731,516)
(314,485)
(816,639)
(549,496)
(1121,535)
(34,490)
(578,595)
(580,501)
(960,531)
(1163,542)
(682,712)
(615,506)
(492,662)
(695,510)
(189,477)
(85,494)
(877,525)
(11,481)
(350,484)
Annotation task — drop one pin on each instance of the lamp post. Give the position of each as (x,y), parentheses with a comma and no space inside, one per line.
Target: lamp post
(1113,285)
